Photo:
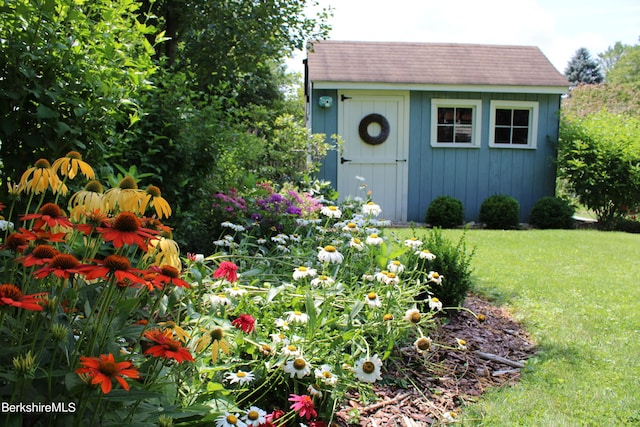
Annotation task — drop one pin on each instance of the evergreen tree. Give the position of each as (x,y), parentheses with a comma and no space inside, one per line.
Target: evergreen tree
(583,69)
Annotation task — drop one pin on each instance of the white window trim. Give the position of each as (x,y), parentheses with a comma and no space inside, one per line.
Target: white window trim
(476,137)
(533,124)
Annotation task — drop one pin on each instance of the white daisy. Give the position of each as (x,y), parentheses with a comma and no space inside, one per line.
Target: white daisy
(373,300)
(280,238)
(368,369)
(413,243)
(282,324)
(278,338)
(291,350)
(423,344)
(229,420)
(435,304)
(381,275)
(434,277)
(303,271)
(325,375)
(322,280)
(330,254)
(395,266)
(356,244)
(297,316)
(351,227)
(373,239)
(426,254)
(371,209)
(314,390)
(462,344)
(219,299)
(331,211)
(235,291)
(255,416)
(412,315)
(240,377)
(298,367)
(390,278)
(449,417)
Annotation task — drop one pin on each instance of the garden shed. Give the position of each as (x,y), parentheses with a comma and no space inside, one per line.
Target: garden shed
(421,120)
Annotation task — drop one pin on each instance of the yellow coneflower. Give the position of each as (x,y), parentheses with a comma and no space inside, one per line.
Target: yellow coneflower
(216,339)
(126,196)
(90,199)
(163,251)
(38,178)
(153,198)
(69,165)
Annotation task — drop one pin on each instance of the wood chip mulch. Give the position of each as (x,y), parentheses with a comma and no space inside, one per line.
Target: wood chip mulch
(422,390)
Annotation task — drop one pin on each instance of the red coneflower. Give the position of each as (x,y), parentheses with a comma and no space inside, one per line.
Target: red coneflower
(126,229)
(227,270)
(166,346)
(167,274)
(245,322)
(13,296)
(40,235)
(40,255)
(50,215)
(117,266)
(303,405)
(16,242)
(102,370)
(61,265)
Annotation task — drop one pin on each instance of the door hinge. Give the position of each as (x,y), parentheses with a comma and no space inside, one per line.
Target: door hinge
(343,160)
(401,160)
(342,97)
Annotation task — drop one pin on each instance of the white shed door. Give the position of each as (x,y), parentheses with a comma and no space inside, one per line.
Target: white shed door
(382,164)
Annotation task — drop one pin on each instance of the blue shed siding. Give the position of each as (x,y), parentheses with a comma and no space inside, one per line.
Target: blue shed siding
(325,120)
(469,174)
(473,174)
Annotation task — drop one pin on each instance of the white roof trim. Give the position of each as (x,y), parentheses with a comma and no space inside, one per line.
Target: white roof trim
(559,90)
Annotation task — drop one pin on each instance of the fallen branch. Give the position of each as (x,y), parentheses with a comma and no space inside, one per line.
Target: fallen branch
(499,359)
(383,403)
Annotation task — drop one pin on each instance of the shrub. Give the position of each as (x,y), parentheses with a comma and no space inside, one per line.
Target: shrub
(500,212)
(453,263)
(445,212)
(552,212)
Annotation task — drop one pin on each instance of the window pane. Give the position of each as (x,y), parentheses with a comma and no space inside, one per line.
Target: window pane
(520,135)
(463,133)
(521,117)
(464,115)
(445,133)
(503,117)
(445,115)
(503,136)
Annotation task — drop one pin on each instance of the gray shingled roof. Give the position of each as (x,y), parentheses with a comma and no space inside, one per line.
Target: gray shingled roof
(431,63)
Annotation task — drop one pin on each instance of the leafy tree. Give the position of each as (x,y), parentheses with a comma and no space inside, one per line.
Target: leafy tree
(70,76)
(599,158)
(583,69)
(610,57)
(627,68)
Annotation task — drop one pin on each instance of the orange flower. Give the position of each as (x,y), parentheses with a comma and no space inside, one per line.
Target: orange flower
(104,369)
(16,242)
(13,296)
(41,255)
(126,228)
(61,265)
(113,265)
(167,274)
(166,346)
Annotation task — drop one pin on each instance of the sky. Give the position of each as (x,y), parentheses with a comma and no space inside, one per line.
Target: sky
(557,27)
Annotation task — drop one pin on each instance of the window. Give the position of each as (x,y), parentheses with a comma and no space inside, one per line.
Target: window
(455,122)
(513,124)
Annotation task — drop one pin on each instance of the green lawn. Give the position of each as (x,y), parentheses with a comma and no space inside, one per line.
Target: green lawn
(577,293)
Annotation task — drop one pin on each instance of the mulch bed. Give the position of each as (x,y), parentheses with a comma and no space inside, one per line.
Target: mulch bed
(419,389)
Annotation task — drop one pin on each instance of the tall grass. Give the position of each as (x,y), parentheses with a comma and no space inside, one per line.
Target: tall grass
(578,294)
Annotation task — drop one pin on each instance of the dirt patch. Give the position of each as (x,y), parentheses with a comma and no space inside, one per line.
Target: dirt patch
(424,389)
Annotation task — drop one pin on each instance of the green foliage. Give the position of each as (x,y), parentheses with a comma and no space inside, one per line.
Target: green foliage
(552,212)
(445,212)
(70,76)
(582,68)
(453,263)
(500,211)
(599,158)
(584,100)
(627,67)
